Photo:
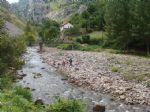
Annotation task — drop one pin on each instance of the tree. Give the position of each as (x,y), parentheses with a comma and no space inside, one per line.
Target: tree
(49,31)
(141,23)
(29,34)
(118,23)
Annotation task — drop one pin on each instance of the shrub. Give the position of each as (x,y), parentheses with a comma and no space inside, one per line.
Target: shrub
(72,31)
(127,76)
(23,92)
(115,69)
(63,105)
(5,83)
(95,41)
(10,52)
(148,83)
(90,48)
(79,40)
(86,39)
(140,78)
(69,46)
(11,102)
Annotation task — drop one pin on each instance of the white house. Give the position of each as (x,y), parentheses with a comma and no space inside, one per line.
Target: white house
(66,26)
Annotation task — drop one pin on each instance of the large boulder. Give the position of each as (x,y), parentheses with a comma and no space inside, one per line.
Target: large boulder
(39,102)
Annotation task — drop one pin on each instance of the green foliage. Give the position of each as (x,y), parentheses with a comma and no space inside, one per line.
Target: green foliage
(86,39)
(140,78)
(14,100)
(127,76)
(69,46)
(72,31)
(92,18)
(29,35)
(23,92)
(84,47)
(95,48)
(148,83)
(10,50)
(63,105)
(5,82)
(115,69)
(127,24)
(49,31)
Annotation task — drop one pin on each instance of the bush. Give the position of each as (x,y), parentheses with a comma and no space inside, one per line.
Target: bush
(140,78)
(127,76)
(23,92)
(12,102)
(79,40)
(86,39)
(72,31)
(148,83)
(11,49)
(95,48)
(115,69)
(63,105)
(5,83)
(69,46)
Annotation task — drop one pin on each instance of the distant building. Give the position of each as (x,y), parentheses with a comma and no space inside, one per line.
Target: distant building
(66,26)
(63,28)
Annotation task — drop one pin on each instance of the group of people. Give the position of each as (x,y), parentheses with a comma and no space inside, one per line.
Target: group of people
(63,63)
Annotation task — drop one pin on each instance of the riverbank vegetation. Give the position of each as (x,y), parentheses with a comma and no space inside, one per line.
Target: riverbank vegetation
(124,26)
(16,98)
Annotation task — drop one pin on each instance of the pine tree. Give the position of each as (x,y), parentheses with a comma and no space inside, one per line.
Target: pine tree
(142,22)
(118,26)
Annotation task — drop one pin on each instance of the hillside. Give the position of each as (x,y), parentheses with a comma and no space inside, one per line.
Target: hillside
(37,10)
(14,25)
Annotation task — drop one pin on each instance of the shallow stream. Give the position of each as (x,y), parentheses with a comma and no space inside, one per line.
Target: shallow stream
(48,85)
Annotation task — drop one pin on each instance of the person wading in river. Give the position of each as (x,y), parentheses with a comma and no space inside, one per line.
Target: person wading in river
(41,46)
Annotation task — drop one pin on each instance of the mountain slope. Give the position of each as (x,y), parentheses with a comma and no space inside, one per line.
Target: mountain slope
(13,24)
(37,10)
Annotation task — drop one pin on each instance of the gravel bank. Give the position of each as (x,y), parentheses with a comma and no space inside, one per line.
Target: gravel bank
(104,72)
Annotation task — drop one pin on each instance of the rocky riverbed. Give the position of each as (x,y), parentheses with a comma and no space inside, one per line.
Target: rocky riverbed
(123,77)
(47,84)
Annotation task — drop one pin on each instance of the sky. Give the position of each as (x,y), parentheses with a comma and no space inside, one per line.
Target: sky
(12,1)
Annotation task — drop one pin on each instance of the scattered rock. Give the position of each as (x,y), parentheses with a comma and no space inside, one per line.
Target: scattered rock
(39,102)
(63,78)
(33,89)
(20,77)
(122,97)
(27,88)
(37,75)
(24,75)
(94,70)
(99,108)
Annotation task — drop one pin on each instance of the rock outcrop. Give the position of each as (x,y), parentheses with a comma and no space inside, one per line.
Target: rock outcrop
(37,10)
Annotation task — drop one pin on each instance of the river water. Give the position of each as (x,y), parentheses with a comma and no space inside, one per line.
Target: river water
(48,85)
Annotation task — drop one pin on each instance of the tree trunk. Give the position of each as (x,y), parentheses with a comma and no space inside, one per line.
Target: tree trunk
(148,52)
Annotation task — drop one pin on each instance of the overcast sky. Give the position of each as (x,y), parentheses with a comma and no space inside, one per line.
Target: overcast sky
(12,1)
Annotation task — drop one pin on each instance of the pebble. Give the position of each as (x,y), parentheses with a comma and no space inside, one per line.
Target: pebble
(93,70)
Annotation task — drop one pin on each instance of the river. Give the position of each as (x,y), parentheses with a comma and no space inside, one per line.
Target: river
(48,85)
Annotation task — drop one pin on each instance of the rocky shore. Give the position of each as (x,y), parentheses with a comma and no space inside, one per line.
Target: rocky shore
(105,72)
